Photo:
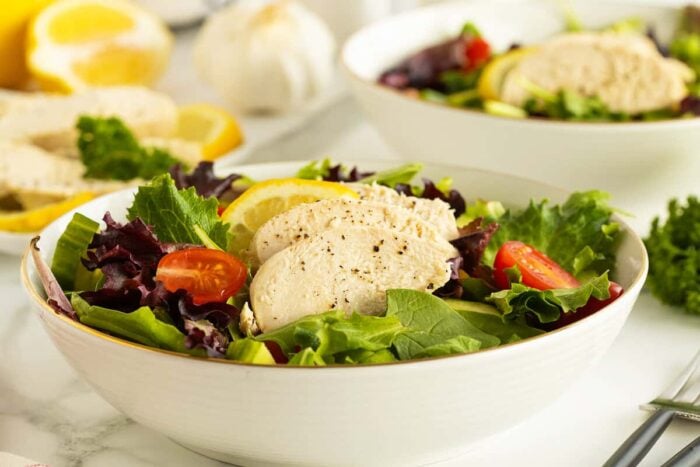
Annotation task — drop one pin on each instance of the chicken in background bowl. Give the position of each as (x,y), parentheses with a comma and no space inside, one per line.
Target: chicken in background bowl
(618,73)
(248,414)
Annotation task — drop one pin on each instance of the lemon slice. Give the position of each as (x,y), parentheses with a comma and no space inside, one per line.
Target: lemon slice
(215,129)
(75,44)
(36,219)
(264,200)
(494,73)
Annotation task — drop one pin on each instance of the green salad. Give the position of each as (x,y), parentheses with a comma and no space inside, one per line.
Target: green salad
(619,73)
(332,266)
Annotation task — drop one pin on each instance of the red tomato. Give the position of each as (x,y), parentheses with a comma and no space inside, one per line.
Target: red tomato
(593,305)
(208,275)
(220,210)
(537,269)
(478,52)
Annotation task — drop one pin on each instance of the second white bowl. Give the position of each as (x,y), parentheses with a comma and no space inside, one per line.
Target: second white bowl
(611,156)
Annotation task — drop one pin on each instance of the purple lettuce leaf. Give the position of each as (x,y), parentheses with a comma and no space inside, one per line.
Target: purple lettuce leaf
(471,244)
(56,298)
(691,105)
(203,334)
(203,180)
(431,191)
(423,69)
(127,254)
(337,173)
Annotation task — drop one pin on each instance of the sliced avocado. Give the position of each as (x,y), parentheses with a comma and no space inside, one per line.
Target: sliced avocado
(502,109)
(249,351)
(489,320)
(474,307)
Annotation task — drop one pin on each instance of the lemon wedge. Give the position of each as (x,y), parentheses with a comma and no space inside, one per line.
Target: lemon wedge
(494,73)
(265,200)
(214,128)
(36,219)
(75,44)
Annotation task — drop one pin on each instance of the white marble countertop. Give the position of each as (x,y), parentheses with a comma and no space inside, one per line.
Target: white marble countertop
(49,415)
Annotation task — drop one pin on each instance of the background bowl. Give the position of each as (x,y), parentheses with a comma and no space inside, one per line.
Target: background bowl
(614,156)
(394,414)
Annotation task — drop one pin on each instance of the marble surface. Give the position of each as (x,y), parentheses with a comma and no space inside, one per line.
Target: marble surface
(49,415)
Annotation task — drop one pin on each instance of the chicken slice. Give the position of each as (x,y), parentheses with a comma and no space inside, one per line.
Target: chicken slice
(434,212)
(35,177)
(624,70)
(349,269)
(48,120)
(310,219)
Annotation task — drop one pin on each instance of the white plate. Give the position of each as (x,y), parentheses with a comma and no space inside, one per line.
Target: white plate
(14,243)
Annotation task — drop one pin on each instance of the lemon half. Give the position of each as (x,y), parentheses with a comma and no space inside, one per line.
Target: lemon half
(215,129)
(36,219)
(494,73)
(75,44)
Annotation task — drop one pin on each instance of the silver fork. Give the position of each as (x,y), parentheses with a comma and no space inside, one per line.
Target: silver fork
(681,398)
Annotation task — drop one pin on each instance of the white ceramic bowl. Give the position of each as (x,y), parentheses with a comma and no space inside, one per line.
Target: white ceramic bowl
(612,156)
(409,413)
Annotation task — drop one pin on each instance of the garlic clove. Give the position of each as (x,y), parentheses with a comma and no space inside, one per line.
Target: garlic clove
(266,56)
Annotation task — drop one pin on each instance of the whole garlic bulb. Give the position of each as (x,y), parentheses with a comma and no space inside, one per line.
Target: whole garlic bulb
(266,56)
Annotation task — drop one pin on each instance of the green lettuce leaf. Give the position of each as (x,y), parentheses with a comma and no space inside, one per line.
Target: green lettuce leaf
(578,235)
(490,320)
(307,357)
(674,255)
(140,326)
(176,214)
(320,170)
(392,177)
(433,327)
(333,332)
(109,150)
(315,170)
(547,305)
(365,356)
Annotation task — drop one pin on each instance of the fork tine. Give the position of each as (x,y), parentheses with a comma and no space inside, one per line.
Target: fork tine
(691,390)
(678,387)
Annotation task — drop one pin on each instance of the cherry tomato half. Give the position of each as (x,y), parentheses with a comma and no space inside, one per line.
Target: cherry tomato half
(208,275)
(537,269)
(593,305)
(478,51)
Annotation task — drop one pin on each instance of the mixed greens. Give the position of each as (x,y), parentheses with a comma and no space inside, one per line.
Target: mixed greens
(674,256)
(465,72)
(109,150)
(118,277)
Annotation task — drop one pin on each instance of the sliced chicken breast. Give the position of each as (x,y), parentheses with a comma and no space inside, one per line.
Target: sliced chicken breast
(345,268)
(48,120)
(435,212)
(624,70)
(311,219)
(35,177)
